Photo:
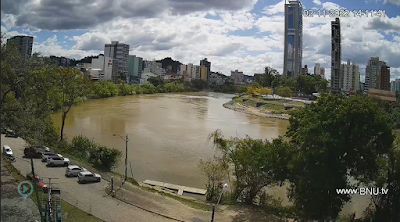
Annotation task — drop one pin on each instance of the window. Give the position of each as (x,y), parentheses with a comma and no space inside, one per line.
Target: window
(290,17)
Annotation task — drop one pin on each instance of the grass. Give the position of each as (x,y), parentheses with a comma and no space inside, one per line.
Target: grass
(70,212)
(190,203)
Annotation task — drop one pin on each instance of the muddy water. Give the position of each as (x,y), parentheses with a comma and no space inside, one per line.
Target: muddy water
(168,132)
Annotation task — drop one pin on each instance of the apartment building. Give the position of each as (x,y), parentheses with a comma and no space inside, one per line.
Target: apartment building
(120,52)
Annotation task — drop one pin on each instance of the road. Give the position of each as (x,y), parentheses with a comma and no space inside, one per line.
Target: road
(88,197)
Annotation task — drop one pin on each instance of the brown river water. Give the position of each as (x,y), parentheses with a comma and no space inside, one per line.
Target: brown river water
(168,134)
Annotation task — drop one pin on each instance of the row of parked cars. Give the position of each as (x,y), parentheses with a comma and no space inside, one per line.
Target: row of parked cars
(53,159)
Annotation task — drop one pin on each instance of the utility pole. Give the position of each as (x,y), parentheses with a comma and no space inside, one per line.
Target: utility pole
(34,188)
(126,157)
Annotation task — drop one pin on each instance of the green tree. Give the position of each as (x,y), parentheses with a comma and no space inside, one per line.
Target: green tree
(155,81)
(256,163)
(71,84)
(215,172)
(284,91)
(199,84)
(334,139)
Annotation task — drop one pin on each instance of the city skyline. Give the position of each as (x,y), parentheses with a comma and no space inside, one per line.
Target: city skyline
(248,38)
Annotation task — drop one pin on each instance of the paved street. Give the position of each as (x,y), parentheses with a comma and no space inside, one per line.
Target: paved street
(88,197)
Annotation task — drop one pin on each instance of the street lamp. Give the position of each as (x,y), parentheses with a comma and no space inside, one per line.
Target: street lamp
(126,139)
(219,199)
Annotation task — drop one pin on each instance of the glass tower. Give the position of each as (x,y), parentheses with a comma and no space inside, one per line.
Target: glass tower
(293,49)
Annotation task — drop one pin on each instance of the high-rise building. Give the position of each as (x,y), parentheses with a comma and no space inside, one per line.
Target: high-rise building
(203,73)
(395,86)
(336,54)
(304,71)
(23,44)
(135,68)
(207,64)
(373,74)
(322,72)
(195,72)
(293,48)
(318,70)
(351,77)
(119,51)
(384,77)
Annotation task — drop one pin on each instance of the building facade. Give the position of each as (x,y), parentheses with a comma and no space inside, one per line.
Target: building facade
(105,65)
(384,77)
(350,74)
(336,57)
(207,64)
(120,52)
(238,77)
(318,70)
(195,72)
(24,45)
(203,73)
(293,48)
(135,68)
(395,86)
(153,67)
(372,73)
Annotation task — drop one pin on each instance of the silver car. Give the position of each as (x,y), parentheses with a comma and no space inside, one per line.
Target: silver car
(74,170)
(87,176)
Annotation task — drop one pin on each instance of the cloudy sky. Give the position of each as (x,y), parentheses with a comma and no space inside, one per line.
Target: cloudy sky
(233,34)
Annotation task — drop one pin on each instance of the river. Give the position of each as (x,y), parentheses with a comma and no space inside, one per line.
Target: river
(168,132)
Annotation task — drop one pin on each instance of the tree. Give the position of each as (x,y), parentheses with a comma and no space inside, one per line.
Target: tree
(284,92)
(71,85)
(199,84)
(155,81)
(333,140)
(256,163)
(214,170)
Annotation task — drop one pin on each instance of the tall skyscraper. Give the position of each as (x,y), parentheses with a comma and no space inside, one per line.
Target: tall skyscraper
(351,77)
(293,48)
(119,51)
(23,44)
(336,78)
(207,64)
(377,74)
(384,77)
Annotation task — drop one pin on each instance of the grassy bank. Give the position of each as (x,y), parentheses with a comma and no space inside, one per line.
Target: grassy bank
(70,213)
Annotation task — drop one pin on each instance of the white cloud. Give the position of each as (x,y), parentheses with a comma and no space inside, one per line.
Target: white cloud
(275,9)
(317,2)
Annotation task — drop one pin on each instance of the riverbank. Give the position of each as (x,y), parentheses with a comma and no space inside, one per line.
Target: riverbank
(240,107)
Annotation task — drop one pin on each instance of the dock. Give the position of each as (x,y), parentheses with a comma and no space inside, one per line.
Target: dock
(179,188)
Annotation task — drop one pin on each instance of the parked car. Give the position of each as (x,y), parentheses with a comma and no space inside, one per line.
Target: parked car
(7,150)
(38,181)
(74,170)
(10,133)
(87,176)
(31,152)
(57,161)
(45,155)
(35,151)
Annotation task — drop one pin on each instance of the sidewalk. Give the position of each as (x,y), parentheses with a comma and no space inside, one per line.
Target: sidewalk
(174,209)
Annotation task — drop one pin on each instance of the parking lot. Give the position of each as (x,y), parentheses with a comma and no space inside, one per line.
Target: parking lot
(90,197)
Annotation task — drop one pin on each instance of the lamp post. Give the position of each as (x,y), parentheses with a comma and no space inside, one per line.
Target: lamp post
(219,199)
(126,153)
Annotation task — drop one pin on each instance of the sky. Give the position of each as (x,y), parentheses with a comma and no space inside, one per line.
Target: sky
(246,35)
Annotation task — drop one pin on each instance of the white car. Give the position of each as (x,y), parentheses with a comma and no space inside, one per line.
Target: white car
(57,161)
(87,176)
(73,170)
(7,150)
